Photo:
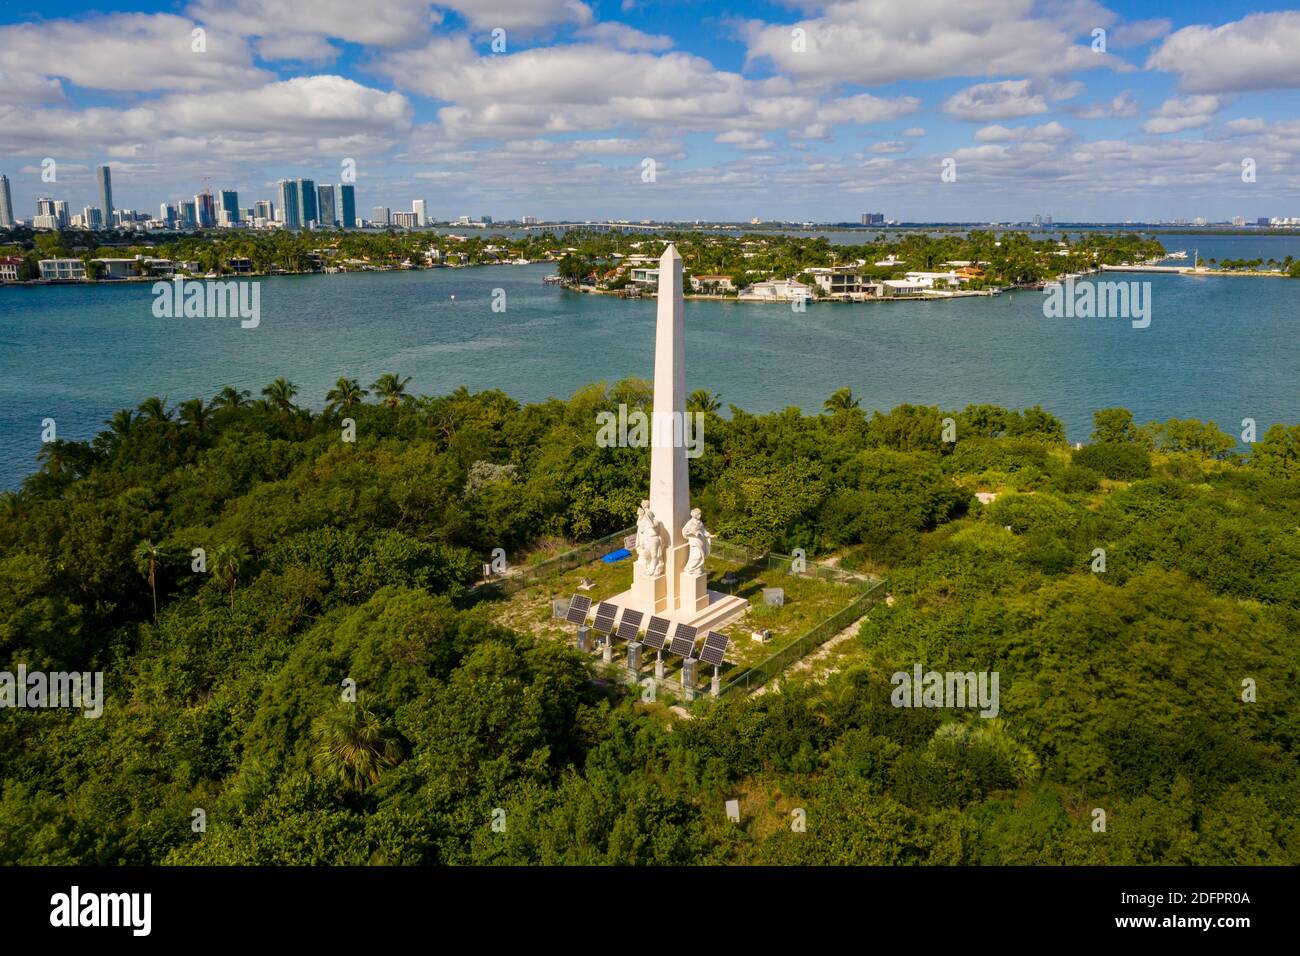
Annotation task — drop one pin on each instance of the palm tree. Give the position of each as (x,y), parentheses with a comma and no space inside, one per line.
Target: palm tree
(353,747)
(155,409)
(230,398)
(225,568)
(841,401)
(389,389)
(11,503)
(121,422)
(147,555)
(194,412)
(702,400)
(280,393)
(345,393)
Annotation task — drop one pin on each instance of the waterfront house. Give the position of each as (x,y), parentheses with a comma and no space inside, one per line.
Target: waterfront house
(711,284)
(240,265)
(904,287)
(158,267)
(118,268)
(645,278)
(9,268)
(775,290)
(843,284)
(62,270)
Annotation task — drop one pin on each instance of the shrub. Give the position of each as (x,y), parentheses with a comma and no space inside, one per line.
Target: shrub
(1115,461)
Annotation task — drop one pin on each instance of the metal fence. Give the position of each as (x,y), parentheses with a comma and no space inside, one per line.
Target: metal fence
(525,576)
(755,677)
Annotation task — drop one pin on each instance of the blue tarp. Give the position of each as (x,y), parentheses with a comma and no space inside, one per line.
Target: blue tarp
(618,555)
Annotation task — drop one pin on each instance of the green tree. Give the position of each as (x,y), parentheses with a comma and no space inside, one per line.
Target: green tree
(345,393)
(390,389)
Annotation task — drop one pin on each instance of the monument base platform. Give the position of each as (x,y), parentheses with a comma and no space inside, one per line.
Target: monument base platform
(722,609)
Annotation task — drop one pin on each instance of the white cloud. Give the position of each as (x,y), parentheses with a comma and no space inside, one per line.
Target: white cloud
(625,37)
(1258,52)
(1182,113)
(29,88)
(1052,132)
(916,131)
(883,41)
(128,52)
(994,101)
(1122,106)
(379,23)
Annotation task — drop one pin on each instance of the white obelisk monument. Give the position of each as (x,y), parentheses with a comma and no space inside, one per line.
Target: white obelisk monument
(665,579)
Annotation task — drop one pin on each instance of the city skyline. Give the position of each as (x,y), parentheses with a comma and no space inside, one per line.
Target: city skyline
(813,110)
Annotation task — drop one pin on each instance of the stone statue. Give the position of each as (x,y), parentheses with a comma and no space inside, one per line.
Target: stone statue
(697,536)
(649,542)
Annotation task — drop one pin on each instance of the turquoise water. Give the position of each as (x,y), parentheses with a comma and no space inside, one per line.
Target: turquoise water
(1222,349)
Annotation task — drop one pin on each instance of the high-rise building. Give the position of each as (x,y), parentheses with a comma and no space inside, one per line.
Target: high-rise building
(529,220)
(167,215)
(290,211)
(404,220)
(417,207)
(264,209)
(61,213)
(93,218)
(105,177)
(380,216)
(307,203)
(872,219)
(6,204)
(205,207)
(347,205)
(44,206)
(189,214)
(229,204)
(486,220)
(325,205)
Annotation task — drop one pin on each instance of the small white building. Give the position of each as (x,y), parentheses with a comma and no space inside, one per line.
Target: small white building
(62,270)
(776,290)
(644,277)
(117,268)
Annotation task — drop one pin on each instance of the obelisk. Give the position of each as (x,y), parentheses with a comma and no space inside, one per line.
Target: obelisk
(670,490)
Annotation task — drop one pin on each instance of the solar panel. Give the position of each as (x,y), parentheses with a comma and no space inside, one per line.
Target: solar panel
(656,633)
(579,605)
(604,622)
(715,645)
(683,644)
(628,627)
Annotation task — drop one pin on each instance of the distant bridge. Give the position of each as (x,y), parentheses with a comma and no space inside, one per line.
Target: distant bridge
(593,226)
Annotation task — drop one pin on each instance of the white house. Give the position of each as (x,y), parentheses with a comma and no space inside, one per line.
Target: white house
(62,269)
(713,284)
(776,290)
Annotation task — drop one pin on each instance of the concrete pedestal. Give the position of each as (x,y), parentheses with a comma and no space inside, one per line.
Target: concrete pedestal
(634,659)
(716,689)
(584,639)
(693,592)
(607,650)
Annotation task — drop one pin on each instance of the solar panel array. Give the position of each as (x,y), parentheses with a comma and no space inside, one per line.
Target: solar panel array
(579,605)
(604,622)
(715,645)
(630,625)
(683,644)
(656,632)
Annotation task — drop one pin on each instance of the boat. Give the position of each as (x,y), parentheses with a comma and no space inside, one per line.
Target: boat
(1180,254)
(552,280)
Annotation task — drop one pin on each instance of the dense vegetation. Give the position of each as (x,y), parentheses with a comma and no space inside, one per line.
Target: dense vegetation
(329,560)
(1009,258)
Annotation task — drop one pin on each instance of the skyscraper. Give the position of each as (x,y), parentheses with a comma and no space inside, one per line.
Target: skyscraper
(380,215)
(105,177)
(417,207)
(94,219)
(167,214)
(307,202)
(6,204)
(189,218)
(61,213)
(347,206)
(205,207)
(325,205)
(290,213)
(264,209)
(229,204)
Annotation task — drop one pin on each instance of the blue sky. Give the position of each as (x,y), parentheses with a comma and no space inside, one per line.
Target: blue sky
(805,110)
